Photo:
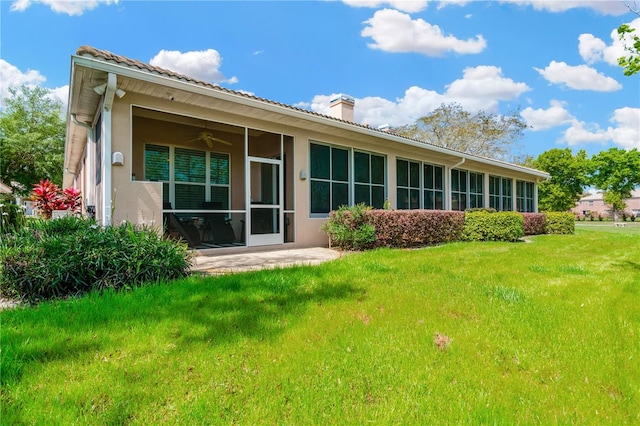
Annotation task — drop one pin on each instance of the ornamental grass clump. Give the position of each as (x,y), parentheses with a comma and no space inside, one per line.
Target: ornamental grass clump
(71,256)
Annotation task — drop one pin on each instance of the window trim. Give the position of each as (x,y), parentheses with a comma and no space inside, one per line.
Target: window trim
(501,195)
(172,181)
(421,186)
(467,191)
(350,174)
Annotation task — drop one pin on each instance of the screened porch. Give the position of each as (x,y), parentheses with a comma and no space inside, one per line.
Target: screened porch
(222,185)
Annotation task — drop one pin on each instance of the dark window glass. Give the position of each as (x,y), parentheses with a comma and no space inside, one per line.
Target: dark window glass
(340,196)
(320,156)
(361,167)
(320,197)
(377,197)
(377,170)
(340,164)
(403,198)
(402,173)
(361,194)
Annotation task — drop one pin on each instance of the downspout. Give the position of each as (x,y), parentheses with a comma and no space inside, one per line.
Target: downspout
(109,94)
(88,167)
(448,184)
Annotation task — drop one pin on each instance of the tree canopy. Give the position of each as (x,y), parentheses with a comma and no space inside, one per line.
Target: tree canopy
(481,133)
(630,62)
(617,173)
(32,134)
(570,175)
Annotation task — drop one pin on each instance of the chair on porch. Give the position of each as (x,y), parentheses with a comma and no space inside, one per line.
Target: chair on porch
(187,231)
(218,224)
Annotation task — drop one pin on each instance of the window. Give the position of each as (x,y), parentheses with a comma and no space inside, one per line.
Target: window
(333,185)
(410,185)
(524,196)
(190,177)
(467,190)
(369,179)
(500,193)
(329,178)
(433,187)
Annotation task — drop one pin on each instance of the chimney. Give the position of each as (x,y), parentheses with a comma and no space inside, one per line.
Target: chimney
(342,107)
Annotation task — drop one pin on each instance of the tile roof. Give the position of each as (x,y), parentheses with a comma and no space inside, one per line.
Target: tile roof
(133,63)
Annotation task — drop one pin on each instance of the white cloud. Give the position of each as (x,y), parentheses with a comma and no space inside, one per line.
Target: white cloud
(72,7)
(201,64)
(592,49)
(404,5)
(544,119)
(480,88)
(605,7)
(393,31)
(625,134)
(580,77)
(11,76)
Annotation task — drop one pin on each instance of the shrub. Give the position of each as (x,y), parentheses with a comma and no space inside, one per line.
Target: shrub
(535,223)
(350,228)
(70,256)
(48,198)
(486,226)
(414,228)
(560,223)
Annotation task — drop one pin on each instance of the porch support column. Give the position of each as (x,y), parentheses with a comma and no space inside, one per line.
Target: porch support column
(110,92)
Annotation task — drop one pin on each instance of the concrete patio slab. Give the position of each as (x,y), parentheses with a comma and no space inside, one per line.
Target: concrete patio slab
(251,261)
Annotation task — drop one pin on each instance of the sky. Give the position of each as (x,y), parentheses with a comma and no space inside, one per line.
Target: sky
(553,61)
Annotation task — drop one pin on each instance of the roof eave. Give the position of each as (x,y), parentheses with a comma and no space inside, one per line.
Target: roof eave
(172,82)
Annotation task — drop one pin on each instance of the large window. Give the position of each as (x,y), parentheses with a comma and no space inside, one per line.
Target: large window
(415,179)
(332,183)
(500,193)
(190,177)
(524,196)
(467,190)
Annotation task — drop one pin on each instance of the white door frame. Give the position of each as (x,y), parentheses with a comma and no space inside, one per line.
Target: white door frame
(275,237)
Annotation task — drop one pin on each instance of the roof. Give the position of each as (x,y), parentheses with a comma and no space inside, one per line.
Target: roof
(598,196)
(5,189)
(91,57)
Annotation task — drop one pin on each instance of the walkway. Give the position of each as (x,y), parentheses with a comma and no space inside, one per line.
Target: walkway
(251,261)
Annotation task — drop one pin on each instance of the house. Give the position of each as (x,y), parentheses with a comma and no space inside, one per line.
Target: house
(5,189)
(594,205)
(223,168)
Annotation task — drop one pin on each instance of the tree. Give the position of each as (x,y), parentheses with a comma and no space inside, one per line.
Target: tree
(617,173)
(631,63)
(31,139)
(569,177)
(482,133)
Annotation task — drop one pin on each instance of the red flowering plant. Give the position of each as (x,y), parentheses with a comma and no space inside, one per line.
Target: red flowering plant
(48,198)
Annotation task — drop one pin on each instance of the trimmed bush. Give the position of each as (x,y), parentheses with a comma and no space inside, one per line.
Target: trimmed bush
(534,223)
(487,226)
(560,223)
(70,256)
(414,228)
(350,228)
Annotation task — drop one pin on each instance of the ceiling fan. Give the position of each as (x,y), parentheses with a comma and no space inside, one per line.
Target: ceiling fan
(209,139)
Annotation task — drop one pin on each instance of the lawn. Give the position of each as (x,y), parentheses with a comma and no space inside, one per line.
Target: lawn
(541,332)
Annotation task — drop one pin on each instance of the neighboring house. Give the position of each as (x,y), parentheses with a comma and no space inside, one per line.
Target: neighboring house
(593,204)
(223,168)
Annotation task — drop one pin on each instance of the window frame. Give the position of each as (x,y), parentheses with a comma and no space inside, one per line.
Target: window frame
(503,196)
(422,188)
(465,192)
(351,176)
(525,195)
(172,182)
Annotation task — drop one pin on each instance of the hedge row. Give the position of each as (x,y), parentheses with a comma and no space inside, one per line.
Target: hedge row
(359,227)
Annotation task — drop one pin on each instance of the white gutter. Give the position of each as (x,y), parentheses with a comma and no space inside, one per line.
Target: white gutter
(89,183)
(175,83)
(447,185)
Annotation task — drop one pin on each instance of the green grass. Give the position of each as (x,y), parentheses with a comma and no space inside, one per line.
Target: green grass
(544,332)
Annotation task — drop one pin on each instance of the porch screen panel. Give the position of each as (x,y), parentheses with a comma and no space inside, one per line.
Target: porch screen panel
(219,180)
(190,176)
(156,167)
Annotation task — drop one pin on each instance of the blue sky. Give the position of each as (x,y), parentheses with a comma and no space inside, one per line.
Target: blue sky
(554,60)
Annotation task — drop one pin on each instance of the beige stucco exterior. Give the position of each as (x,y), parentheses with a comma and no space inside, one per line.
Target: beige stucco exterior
(162,109)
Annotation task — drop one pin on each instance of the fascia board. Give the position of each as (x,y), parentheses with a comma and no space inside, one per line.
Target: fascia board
(174,83)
